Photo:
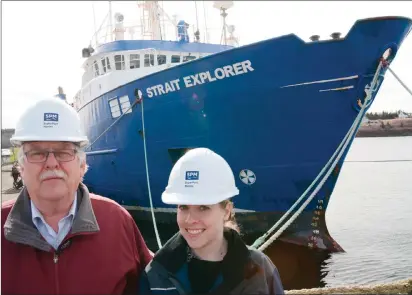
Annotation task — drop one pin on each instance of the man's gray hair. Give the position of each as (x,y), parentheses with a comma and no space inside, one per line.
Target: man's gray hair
(81,155)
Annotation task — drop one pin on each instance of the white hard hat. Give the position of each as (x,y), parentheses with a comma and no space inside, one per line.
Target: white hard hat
(200,177)
(49,119)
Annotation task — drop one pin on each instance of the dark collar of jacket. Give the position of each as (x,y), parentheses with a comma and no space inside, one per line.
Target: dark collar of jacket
(19,227)
(237,265)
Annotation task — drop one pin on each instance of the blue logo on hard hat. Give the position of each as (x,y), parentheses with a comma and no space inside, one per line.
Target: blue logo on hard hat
(192,175)
(51,117)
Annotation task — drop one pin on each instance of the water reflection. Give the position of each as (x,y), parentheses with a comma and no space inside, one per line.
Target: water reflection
(299,267)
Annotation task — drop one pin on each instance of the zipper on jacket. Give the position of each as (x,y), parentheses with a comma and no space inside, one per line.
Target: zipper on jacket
(56,270)
(56,256)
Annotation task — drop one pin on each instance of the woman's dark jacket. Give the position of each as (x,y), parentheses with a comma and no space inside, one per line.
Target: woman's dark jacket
(244,270)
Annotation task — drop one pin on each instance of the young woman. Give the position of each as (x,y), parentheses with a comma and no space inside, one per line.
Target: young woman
(207,255)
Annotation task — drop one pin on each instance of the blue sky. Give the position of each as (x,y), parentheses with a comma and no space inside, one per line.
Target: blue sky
(42,40)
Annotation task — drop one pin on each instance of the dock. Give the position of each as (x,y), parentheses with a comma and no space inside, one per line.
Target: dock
(397,287)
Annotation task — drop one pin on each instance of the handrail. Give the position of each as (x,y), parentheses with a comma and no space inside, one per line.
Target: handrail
(132,31)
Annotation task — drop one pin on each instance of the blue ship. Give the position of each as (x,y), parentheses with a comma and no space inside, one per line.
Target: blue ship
(276,110)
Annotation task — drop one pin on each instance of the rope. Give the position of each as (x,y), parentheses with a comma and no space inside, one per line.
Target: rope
(145,157)
(386,65)
(261,240)
(159,243)
(108,128)
(343,143)
(304,205)
(399,80)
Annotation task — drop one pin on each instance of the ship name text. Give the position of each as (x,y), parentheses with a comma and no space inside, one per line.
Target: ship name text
(201,78)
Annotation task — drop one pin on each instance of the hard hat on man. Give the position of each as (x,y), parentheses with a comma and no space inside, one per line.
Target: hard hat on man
(200,177)
(49,119)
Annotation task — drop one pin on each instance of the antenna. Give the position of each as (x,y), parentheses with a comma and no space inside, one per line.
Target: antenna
(197,33)
(223,6)
(119,29)
(110,21)
(94,18)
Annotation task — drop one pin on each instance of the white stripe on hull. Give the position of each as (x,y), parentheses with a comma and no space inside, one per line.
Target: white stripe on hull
(337,89)
(322,81)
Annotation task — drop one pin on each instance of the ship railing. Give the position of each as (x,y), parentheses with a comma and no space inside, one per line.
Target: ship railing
(130,31)
(135,31)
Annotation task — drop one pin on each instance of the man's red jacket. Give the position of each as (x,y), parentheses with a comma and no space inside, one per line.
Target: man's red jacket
(104,252)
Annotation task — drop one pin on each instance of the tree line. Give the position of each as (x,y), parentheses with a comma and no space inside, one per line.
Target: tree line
(383,115)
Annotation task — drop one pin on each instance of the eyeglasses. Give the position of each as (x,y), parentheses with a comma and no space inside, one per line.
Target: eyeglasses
(35,156)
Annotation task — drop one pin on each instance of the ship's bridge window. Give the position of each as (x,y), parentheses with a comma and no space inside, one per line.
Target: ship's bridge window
(96,69)
(125,104)
(106,64)
(134,61)
(148,60)
(119,106)
(188,58)
(114,107)
(175,59)
(161,59)
(119,62)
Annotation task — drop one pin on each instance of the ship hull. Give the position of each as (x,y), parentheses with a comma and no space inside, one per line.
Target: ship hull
(277,109)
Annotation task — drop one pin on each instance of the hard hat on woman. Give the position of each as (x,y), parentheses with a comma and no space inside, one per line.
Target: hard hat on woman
(200,177)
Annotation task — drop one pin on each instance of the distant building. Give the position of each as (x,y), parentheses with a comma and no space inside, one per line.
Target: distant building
(6,134)
(5,156)
(365,121)
(403,115)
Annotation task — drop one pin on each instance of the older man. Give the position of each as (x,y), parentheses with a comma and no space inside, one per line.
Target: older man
(58,238)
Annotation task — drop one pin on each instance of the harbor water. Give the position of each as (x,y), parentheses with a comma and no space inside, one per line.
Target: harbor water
(370,214)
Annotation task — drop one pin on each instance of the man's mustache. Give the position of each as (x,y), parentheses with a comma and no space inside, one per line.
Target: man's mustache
(52,174)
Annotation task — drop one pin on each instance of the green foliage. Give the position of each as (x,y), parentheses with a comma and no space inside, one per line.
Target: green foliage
(383,115)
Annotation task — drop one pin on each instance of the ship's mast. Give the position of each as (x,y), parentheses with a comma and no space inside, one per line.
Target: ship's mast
(223,6)
(150,20)
(110,21)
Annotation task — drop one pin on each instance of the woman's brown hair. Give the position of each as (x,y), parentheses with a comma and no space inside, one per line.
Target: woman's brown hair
(231,222)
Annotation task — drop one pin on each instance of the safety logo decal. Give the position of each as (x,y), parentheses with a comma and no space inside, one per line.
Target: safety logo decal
(191,178)
(50,120)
